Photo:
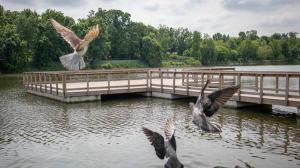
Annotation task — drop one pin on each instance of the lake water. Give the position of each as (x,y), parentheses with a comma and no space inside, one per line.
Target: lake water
(37,132)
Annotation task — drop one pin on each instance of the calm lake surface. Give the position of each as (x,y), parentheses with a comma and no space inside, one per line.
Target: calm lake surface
(39,133)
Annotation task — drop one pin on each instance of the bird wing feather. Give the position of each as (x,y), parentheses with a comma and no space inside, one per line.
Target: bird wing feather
(90,36)
(170,132)
(157,141)
(220,97)
(66,34)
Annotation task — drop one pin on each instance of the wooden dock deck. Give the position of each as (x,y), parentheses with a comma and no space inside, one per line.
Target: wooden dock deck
(260,87)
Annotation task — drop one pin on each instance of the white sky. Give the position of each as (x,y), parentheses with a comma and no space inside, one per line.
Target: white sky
(207,16)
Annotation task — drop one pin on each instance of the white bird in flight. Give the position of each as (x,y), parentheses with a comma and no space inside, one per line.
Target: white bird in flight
(74,61)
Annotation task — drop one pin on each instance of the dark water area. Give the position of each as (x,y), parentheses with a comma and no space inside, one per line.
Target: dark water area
(38,132)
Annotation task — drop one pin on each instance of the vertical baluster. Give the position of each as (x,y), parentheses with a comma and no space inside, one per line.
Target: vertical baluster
(287,89)
(277,84)
(261,92)
(56,83)
(187,83)
(239,83)
(128,82)
(64,84)
(161,81)
(174,77)
(87,84)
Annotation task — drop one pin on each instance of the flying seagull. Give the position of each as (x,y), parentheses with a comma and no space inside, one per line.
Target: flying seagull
(207,106)
(74,61)
(165,148)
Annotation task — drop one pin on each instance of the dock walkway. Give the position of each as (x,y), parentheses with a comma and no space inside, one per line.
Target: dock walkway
(259,87)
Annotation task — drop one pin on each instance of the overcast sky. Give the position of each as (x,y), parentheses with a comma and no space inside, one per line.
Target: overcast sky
(206,16)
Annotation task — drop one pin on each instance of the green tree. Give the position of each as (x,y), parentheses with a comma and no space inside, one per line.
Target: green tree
(195,51)
(208,52)
(151,51)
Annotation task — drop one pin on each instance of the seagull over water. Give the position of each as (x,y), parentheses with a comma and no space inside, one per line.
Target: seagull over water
(165,148)
(74,61)
(207,106)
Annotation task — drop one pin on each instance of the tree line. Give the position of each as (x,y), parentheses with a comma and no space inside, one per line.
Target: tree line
(28,41)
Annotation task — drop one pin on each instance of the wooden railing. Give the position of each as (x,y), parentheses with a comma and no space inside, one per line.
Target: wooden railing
(86,82)
(281,88)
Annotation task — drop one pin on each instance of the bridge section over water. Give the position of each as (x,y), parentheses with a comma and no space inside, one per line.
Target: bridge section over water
(260,87)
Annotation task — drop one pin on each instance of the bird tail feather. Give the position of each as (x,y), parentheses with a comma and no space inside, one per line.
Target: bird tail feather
(72,61)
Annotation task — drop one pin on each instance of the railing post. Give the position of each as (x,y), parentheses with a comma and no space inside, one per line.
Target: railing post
(50,80)
(261,88)
(202,80)
(187,83)
(256,83)
(299,85)
(174,77)
(40,83)
(277,85)
(31,81)
(108,83)
(287,89)
(45,82)
(220,81)
(87,84)
(150,80)
(239,83)
(161,81)
(64,84)
(35,81)
(147,80)
(56,83)
(128,82)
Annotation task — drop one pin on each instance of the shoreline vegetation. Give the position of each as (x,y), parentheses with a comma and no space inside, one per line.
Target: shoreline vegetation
(29,43)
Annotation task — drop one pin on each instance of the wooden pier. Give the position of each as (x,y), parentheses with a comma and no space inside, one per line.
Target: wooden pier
(259,87)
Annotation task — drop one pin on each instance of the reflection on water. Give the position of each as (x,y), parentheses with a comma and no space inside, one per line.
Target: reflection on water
(37,132)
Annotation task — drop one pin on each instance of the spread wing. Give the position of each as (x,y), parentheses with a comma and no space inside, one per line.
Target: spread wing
(170,132)
(90,36)
(157,141)
(219,98)
(66,33)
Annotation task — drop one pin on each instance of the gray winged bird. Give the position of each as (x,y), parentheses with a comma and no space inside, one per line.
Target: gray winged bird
(74,61)
(165,148)
(207,106)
